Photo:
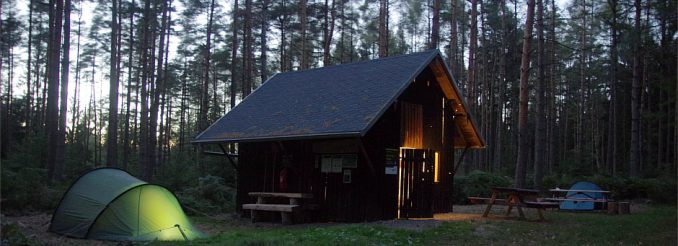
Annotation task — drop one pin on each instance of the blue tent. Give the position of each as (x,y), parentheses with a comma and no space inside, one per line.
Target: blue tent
(582,205)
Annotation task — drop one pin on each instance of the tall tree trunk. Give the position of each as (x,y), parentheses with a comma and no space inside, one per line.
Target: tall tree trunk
(75,110)
(248,56)
(612,114)
(204,101)
(435,25)
(496,159)
(328,31)
(523,147)
(234,53)
(454,51)
(471,56)
(65,69)
(182,110)
(263,66)
(579,136)
(552,116)
(155,103)
(303,18)
(130,65)
(540,121)
(145,78)
(29,98)
(52,128)
(164,133)
(634,160)
(112,133)
(383,28)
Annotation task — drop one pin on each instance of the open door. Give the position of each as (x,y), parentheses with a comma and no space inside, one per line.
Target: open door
(415,183)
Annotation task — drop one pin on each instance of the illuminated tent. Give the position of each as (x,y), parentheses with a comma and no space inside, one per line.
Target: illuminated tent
(111,204)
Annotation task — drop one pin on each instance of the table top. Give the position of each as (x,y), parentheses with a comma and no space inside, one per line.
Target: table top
(281,194)
(590,191)
(515,190)
(576,199)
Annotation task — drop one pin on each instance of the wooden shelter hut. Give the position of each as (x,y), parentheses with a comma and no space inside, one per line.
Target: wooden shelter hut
(370,140)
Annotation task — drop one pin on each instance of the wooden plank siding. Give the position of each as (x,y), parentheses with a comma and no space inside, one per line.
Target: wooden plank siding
(371,194)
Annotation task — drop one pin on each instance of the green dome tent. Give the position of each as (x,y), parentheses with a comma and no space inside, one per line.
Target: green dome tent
(111,204)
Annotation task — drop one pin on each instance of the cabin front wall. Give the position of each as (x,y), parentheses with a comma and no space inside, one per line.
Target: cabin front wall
(372,191)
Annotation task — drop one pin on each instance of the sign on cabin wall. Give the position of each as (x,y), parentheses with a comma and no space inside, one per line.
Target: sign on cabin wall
(338,162)
(347,176)
(391,165)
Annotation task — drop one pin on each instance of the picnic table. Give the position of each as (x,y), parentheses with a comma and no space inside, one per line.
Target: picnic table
(269,201)
(579,195)
(515,197)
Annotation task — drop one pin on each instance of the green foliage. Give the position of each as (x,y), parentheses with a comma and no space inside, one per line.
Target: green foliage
(209,196)
(12,235)
(477,183)
(24,179)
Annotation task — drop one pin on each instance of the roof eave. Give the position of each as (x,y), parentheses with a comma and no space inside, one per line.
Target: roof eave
(279,138)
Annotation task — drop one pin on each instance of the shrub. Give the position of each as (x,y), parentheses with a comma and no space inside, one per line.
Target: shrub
(477,183)
(24,180)
(12,235)
(210,196)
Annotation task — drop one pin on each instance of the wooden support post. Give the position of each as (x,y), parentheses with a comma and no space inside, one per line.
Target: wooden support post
(489,205)
(520,212)
(624,207)
(541,214)
(254,216)
(612,208)
(286,218)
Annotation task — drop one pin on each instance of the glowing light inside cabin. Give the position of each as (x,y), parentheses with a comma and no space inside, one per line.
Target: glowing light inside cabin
(436,169)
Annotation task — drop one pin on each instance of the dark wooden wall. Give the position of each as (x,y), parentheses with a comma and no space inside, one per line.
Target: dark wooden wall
(372,194)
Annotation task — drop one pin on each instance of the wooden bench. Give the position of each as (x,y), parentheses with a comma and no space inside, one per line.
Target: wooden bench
(485,200)
(540,206)
(294,208)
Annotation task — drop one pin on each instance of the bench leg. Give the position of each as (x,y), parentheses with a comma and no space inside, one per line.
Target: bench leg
(541,214)
(286,218)
(508,211)
(254,215)
(520,212)
(489,205)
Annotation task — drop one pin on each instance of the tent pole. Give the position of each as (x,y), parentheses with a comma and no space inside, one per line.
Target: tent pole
(182,231)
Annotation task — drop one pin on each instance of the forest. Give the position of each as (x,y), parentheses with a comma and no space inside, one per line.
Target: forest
(560,90)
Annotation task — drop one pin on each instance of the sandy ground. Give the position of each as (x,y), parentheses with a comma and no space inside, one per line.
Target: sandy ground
(34,226)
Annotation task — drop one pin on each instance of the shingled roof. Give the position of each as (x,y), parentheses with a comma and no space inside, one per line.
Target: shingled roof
(336,101)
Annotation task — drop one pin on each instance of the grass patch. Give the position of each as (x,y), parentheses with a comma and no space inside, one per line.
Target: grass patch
(654,226)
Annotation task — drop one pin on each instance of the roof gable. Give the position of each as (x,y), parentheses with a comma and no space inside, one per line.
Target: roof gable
(342,100)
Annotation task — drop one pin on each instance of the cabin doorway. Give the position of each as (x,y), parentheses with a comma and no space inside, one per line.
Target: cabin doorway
(415,183)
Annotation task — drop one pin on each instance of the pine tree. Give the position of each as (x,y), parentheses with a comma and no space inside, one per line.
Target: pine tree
(521,163)
(52,128)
